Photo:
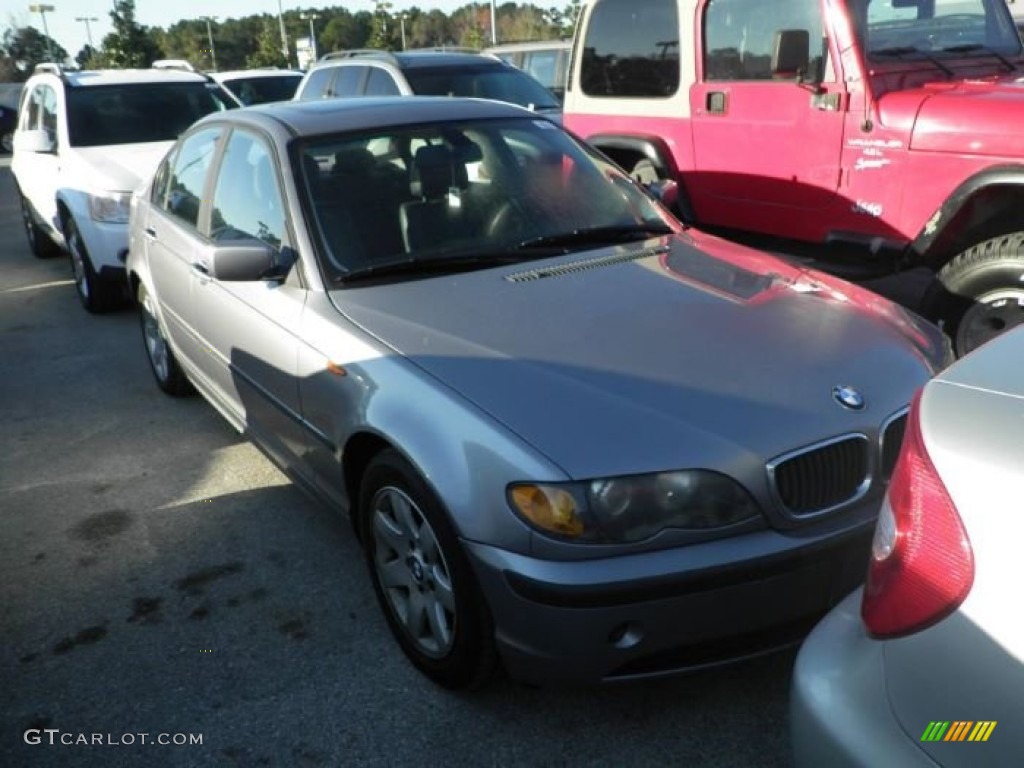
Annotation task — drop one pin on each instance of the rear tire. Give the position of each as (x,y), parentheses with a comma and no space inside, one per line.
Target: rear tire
(980,293)
(39,242)
(423,581)
(168,374)
(97,295)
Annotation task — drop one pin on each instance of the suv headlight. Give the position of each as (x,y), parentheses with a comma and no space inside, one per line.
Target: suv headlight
(633,508)
(111,207)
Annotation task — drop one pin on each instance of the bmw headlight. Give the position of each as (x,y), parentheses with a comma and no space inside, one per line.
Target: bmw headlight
(111,207)
(633,508)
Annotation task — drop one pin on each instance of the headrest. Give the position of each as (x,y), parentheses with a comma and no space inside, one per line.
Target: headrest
(353,161)
(431,176)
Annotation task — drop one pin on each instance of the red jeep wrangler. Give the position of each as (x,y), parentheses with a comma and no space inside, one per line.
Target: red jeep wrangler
(891,131)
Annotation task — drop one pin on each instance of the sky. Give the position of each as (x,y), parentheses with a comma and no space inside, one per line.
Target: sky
(71,34)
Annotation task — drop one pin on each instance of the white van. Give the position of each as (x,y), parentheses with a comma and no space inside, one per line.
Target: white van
(546,60)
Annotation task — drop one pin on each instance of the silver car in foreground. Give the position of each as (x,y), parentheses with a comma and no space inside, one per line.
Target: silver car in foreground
(571,434)
(925,665)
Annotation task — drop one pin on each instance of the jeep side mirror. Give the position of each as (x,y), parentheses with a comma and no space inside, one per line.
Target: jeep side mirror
(37,140)
(791,53)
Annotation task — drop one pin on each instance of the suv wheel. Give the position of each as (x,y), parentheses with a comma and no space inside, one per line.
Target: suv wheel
(980,293)
(39,242)
(96,295)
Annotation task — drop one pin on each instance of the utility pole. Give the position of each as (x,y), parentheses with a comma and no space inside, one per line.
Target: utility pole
(494,24)
(284,35)
(88,31)
(42,10)
(401,20)
(209,36)
(312,32)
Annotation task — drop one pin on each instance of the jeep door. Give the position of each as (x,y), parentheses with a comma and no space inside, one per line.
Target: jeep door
(766,144)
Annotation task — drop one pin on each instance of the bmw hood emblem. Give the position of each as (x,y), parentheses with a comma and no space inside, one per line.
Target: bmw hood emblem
(848,397)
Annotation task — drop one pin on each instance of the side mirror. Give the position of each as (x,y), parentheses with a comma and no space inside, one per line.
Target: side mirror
(791,53)
(37,140)
(665,191)
(241,261)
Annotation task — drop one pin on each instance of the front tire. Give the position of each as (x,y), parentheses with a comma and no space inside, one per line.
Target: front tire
(423,581)
(980,293)
(168,374)
(97,295)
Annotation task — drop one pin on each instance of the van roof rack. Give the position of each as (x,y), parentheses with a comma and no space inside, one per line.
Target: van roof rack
(51,67)
(352,53)
(179,64)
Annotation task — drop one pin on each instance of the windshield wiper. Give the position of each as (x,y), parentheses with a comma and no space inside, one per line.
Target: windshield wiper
(974,47)
(903,50)
(596,235)
(430,265)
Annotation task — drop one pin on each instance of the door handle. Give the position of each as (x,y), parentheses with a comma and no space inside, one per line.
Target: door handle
(200,268)
(715,102)
(150,233)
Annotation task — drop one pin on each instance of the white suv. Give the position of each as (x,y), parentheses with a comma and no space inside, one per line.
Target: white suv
(84,140)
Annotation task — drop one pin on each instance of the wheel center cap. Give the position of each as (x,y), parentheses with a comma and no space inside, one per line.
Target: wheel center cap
(416,568)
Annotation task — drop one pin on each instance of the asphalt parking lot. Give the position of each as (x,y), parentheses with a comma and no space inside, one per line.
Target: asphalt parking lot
(160,577)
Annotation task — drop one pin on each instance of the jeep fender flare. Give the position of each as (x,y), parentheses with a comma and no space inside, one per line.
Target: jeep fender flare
(627,150)
(985,205)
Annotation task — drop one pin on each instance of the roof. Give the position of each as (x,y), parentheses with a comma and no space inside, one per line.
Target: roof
(411,59)
(92,77)
(240,74)
(323,116)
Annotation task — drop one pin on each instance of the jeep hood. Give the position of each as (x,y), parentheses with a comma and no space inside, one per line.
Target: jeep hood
(656,355)
(119,167)
(978,117)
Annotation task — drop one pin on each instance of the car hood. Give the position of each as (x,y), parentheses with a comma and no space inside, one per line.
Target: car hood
(119,167)
(657,355)
(979,116)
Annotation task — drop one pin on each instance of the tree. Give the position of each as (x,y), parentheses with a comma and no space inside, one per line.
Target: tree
(84,56)
(345,31)
(268,51)
(130,44)
(27,46)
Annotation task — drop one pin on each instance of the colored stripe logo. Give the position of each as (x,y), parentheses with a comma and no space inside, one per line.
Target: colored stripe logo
(959,730)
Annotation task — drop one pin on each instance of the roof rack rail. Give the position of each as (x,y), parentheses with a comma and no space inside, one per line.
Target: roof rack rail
(445,49)
(352,53)
(51,67)
(180,64)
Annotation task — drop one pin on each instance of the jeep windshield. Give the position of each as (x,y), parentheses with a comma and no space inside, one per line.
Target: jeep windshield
(414,201)
(498,82)
(101,115)
(899,30)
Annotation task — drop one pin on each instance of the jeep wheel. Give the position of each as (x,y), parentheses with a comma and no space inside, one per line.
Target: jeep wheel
(980,293)
(39,242)
(96,295)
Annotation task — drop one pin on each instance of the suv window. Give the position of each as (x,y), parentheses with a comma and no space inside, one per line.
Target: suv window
(626,53)
(48,111)
(349,81)
(34,109)
(247,199)
(381,83)
(317,82)
(739,36)
(188,175)
(500,82)
(140,112)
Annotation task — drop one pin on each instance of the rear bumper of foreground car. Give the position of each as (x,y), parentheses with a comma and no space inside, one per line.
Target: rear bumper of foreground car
(839,710)
(665,612)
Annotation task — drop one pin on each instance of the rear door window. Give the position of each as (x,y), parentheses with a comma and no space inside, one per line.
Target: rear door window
(381,83)
(317,83)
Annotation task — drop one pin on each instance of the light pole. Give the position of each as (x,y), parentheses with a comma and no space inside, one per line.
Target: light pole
(209,36)
(42,11)
(312,32)
(88,30)
(401,20)
(284,35)
(494,26)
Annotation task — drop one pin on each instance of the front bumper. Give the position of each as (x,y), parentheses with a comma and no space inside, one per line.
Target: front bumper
(839,709)
(665,612)
(104,241)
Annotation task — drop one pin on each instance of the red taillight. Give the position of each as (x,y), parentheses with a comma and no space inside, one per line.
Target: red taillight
(921,566)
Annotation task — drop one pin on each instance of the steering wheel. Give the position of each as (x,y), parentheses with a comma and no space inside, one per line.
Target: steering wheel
(505,223)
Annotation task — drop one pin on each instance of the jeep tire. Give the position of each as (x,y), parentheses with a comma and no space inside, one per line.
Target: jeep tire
(980,293)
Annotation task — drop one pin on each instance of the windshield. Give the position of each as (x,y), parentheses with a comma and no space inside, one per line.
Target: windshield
(493,191)
(100,115)
(497,82)
(260,90)
(896,29)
